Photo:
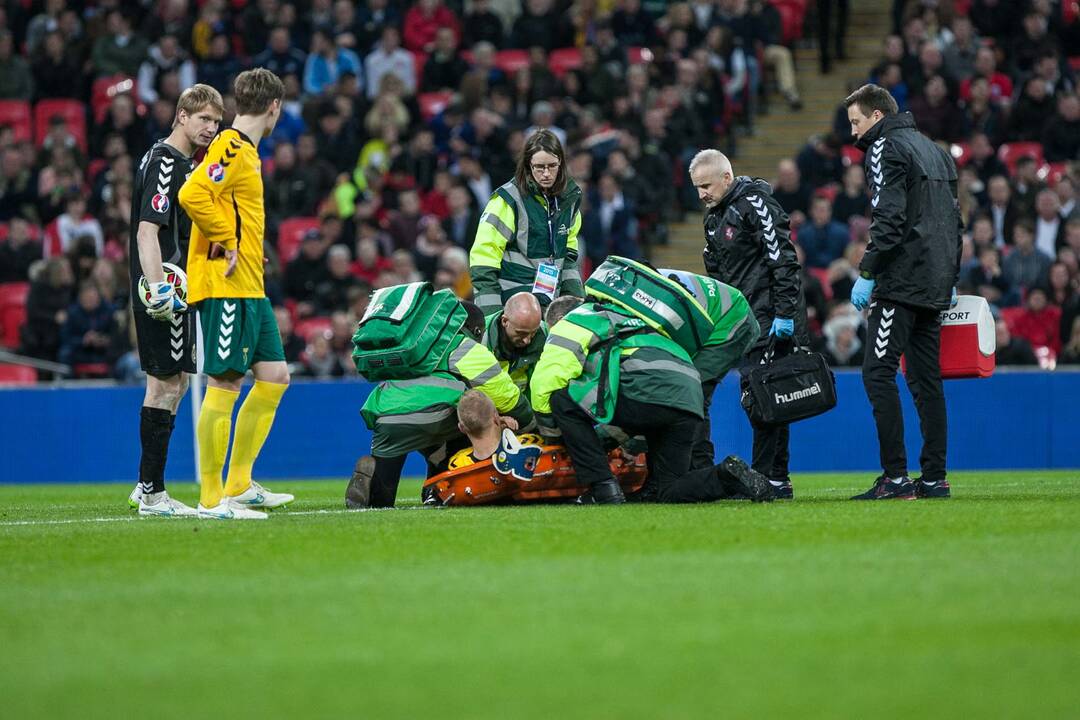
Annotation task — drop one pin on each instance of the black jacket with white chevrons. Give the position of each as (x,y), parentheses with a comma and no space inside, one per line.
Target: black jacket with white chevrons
(915,227)
(748,245)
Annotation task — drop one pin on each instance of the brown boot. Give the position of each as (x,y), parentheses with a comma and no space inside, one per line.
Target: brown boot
(358,493)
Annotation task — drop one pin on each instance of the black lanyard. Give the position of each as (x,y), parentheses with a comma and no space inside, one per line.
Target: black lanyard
(552,209)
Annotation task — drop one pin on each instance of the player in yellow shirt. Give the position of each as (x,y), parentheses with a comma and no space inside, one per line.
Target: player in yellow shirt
(224,199)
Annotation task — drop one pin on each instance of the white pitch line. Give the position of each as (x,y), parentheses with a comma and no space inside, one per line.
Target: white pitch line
(283,513)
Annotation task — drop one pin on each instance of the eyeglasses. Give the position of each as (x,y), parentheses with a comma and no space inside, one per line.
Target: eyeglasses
(550,167)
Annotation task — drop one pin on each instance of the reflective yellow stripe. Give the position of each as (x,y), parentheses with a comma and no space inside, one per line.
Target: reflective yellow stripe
(490,243)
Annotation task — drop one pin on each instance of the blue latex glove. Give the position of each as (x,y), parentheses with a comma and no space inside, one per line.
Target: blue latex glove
(860,294)
(954,299)
(782,327)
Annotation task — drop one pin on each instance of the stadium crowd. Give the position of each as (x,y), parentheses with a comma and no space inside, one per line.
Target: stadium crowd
(402,118)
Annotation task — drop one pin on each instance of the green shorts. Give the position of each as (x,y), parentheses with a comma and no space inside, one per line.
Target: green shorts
(237,333)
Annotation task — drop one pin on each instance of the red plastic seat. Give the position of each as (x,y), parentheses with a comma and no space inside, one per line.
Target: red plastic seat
(419,60)
(638,55)
(310,327)
(562,60)
(961,153)
(16,113)
(73,111)
(291,233)
(1010,153)
(105,89)
(432,103)
(12,311)
(792,15)
(510,61)
(17,375)
(851,155)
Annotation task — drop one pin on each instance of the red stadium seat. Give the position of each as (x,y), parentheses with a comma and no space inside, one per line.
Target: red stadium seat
(961,153)
(510,61)
(12,311)
(822,275)
(34,232)
(105,89)
(1009,153)
(16,113)
(638,55)
(1054,172)
(432,103)
(291,233)
(792,14)
(73,111)
(17,375)
(419,60)
(310,327)
(851,155)
(562,60)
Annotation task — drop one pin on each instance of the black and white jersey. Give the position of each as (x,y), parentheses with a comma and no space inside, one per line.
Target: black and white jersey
(162,171)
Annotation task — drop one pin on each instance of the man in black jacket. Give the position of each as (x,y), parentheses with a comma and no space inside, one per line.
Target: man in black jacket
(907,277)
(748,245)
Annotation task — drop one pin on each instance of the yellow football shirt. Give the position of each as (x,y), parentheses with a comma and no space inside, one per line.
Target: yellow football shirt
(224,199)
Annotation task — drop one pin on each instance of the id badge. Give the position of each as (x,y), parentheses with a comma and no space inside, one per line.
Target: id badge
(547,280)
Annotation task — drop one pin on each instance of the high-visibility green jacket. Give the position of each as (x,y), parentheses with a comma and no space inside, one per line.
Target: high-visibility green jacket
(517,362)
(517,232)
(407,415)
(733,321)
(599,350)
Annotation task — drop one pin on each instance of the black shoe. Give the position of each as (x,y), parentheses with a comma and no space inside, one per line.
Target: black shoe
(742,480)
(782,490)
(358,493)
(937,489)
(605,492)
(886,489)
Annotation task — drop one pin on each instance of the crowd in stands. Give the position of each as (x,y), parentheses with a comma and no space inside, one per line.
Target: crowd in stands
(401,118)
(995,82)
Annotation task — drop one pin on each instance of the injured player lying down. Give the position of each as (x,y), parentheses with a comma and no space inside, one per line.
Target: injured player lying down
(500,466)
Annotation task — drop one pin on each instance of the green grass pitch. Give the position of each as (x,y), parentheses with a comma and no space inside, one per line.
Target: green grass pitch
(815,608)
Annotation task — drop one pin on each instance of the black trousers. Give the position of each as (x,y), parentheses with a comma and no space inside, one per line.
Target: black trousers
(704,454)
(896,330)
(669,432)
(770,450)
(825,34)
(387,475)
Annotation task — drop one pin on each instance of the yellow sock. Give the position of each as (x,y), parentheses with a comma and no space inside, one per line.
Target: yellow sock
(252,426)
(215,423)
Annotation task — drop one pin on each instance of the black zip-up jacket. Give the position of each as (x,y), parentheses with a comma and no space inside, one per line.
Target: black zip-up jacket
(915,228)
(748,245)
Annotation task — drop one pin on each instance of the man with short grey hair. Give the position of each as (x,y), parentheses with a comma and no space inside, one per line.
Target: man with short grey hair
(748,246)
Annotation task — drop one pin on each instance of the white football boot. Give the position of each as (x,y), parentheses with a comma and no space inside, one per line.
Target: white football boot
(226,510)
(135,497)
(161,505)
(256,496)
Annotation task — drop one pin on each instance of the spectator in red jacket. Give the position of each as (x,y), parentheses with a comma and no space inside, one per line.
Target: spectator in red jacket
(1040,323)
(423,21)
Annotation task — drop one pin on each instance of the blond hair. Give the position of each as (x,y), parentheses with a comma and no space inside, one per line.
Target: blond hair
(197,97)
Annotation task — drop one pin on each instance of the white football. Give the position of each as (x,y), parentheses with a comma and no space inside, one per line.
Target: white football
(174,275)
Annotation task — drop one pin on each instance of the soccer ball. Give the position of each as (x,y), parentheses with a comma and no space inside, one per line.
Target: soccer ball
(174,275)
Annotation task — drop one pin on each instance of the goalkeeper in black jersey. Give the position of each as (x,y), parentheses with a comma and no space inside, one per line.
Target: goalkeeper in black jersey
(160,230)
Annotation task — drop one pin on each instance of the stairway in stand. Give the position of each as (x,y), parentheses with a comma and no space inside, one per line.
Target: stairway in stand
(782,132)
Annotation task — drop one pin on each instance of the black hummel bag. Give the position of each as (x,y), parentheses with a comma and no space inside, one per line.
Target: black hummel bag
(787,389)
